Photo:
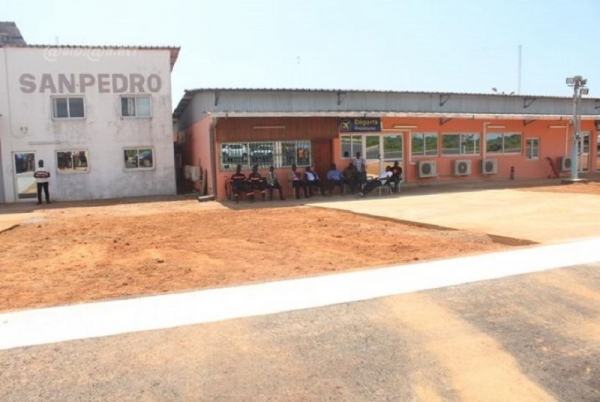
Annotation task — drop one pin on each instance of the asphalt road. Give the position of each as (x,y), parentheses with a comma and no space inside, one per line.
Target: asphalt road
(531,337)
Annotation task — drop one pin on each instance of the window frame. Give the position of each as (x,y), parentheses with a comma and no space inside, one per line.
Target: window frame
(72,170)
(503,136)
(424,135)
(138,149)
(352,150)
(53,100)
(528,148)
(460,153)
(135,97)
(279,158)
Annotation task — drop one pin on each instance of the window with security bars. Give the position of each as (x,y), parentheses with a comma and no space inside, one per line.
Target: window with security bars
(278,154)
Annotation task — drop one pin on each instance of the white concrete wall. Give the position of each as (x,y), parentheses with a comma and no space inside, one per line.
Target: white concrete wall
(103,132)
(3,123)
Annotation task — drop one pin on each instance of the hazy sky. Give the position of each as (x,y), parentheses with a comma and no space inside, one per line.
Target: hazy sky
(425,45)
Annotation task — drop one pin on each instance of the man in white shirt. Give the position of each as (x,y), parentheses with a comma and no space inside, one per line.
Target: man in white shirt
(361,167)
(42,177)
(380,181)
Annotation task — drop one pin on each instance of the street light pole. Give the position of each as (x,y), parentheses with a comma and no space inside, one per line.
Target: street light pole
(574,172)
(578,84)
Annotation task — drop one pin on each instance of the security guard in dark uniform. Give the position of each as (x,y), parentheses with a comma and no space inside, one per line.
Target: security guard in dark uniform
(238,183)
(257,182)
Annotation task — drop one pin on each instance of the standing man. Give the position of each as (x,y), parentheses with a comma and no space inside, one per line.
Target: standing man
(42,177)
(361,167)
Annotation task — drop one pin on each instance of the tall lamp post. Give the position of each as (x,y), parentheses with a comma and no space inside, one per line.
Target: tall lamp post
(578,83)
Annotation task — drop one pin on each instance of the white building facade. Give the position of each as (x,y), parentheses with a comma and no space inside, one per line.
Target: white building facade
(99,118)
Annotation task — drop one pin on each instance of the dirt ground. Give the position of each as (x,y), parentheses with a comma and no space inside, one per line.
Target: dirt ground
(578,188)
(79,254)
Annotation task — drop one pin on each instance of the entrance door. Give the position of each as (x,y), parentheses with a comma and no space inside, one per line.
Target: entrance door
(372,147)
(25,183)
(382,151)
(584,152)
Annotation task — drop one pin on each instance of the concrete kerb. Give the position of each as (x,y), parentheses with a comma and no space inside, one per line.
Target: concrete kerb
(99,319)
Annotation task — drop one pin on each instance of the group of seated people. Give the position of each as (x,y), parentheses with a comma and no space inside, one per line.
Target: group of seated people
(309,183)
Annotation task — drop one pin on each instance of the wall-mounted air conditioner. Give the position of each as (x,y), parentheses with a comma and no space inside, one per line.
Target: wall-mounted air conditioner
(461,167)
(489,166)
(427,169)
(565,163)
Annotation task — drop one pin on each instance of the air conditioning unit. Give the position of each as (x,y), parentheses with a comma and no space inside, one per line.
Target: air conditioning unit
(565,163)
(489,166)
(461,167)
(427,169)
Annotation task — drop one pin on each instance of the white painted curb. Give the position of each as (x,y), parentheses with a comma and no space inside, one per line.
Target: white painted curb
(59,324)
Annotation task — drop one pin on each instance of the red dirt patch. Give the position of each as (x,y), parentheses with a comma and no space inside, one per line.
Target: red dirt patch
(82,254)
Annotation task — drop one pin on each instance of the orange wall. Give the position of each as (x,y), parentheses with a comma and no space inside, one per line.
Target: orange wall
(552,144)
(197,147)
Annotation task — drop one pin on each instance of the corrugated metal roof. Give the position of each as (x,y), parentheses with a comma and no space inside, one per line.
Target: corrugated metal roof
(10,34)
(318,107)
(174,50)
(375,91)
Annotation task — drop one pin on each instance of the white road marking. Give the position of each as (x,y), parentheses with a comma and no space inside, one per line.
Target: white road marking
(91,320)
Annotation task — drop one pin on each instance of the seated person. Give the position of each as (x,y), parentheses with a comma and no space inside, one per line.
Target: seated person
(256,183)
(335,178)
(380,181)
(238,183)
(297,182)
(396,176)
(350,176)
(312,180)
(273,183)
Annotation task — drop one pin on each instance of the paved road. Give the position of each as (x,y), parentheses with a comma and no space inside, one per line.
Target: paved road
(532,337)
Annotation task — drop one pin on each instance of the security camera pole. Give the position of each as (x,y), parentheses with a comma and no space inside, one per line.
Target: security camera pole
(578,84)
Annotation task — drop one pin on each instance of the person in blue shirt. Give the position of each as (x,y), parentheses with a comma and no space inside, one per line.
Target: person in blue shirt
(335,178)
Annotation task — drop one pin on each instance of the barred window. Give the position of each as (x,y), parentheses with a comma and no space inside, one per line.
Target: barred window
(264,154)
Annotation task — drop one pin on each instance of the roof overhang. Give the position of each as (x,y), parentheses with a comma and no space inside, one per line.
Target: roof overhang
(468,116)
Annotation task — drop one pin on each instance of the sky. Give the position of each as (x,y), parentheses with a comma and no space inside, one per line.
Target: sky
(403,45)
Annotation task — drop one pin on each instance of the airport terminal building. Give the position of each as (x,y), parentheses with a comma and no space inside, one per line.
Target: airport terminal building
(99,117)
(436,137)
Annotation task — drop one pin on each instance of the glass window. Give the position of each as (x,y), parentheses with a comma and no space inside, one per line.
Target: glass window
(424,144)
(72,161)
(264,154)
(460,144)
(67,108)
(498,143)
(138,106)
(392,148)
(351,144)
(532,148)
(372,147)
(139,158)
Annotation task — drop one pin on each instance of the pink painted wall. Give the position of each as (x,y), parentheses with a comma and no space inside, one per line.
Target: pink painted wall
(197,150)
